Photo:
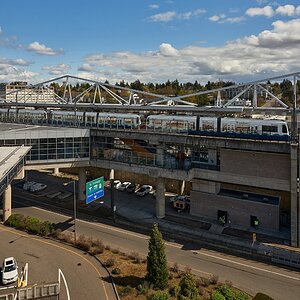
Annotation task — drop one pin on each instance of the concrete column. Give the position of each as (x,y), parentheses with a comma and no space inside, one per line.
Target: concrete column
(81,184)
(56,171)
(112,174)
(181,187)
(160,155)
(160,198)
(7,203)
(294,196)
(212,156)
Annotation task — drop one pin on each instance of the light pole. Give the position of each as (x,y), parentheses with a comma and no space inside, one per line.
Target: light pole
(74,205)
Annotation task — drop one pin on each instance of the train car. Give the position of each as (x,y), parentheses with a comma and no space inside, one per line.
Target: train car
(255,127)
(3,114)
(59,117)
(171,123)
(31,116)
(115,120)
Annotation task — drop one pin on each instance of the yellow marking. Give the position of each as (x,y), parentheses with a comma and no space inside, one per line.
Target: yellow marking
(62,248)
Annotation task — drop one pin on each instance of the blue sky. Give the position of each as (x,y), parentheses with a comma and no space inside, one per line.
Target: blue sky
(148,40)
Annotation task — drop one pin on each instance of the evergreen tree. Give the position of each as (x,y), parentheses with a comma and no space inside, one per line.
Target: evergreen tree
(157,270)
(188,287)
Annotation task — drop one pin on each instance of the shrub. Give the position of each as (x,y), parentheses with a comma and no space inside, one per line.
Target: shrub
(188,287)
(116,271)
(110,262)
(205,281)
(214,279)
(173,290)
(216,295)
(83,243)
(175,268)
(125,291)
(160,295)
(142,289)
(46,228)
(262,296)
(135,256)
(15,220)
(241,296)
(226,291)
(32,225)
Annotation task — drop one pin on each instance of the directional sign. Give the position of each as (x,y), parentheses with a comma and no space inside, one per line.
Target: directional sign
(94,190)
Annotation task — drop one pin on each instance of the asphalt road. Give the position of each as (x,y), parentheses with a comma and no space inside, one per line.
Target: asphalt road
(85,276)
(248,275)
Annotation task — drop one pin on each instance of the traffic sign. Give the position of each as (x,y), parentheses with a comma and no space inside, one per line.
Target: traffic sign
(94,190)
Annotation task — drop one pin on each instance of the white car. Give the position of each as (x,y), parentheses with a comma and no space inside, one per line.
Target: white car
(9,271)
(123,186)
(117,183)
(144,190)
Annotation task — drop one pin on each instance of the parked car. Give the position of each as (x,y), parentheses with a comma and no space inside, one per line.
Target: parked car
(9,271)
(28,184)
(37,187)
(144,190)
(117,183)
(123,186)
(181,202)
(132,187)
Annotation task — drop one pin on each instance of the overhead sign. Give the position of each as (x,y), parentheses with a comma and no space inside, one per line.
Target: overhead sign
(94,190)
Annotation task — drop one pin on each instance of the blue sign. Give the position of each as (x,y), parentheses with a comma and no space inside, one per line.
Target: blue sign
(94,190)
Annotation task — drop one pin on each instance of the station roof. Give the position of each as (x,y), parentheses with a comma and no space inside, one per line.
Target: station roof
(9,157)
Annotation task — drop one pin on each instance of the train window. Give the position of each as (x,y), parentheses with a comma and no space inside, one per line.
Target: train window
(268,128)
(284,128)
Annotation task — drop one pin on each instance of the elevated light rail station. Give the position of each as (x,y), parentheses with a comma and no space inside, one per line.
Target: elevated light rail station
(237,167)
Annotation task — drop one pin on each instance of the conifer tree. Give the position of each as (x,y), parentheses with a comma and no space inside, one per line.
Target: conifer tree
(157,269)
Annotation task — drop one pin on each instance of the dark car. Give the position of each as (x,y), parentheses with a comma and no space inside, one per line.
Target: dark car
(132,187)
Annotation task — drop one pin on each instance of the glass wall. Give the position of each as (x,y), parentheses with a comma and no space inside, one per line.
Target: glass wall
(53,148)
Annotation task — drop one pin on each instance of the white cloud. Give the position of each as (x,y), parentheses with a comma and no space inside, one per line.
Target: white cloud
(154,6)
(14,62)
(268,53)
(59,69)
(85,68)
(171,15)
(42,49)
(260,11)
(233,20)
(163,17)
(168,50)
(1,31)
(286,10)
(214,18)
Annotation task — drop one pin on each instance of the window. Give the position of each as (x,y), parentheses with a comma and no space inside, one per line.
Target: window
(269,128)
(284,128)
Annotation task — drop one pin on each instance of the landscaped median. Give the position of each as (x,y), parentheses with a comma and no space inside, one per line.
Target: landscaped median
(136,277)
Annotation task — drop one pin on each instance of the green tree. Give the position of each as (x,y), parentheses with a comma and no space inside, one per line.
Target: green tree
(157,270)
(187,287)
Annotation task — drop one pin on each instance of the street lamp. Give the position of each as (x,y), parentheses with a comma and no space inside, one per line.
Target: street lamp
(74,205)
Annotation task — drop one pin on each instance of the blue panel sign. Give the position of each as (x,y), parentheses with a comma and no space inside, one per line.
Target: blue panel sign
(94,190)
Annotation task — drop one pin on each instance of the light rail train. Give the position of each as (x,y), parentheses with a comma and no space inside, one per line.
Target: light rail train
(194,125)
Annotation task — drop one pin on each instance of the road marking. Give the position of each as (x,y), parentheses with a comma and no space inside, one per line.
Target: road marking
(62,248)
(174,245)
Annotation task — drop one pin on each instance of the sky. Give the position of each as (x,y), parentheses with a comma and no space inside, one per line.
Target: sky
(153,41)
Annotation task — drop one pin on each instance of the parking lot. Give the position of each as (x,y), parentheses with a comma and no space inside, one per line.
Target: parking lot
(128,205)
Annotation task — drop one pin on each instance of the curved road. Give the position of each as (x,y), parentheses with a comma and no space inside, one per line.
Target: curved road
(85,277)
(248,275)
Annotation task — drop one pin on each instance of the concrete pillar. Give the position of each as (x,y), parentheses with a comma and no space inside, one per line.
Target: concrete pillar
(212,157)
(294,196)
(160,198)
(56,171)
(7,203)
(112,174)
(81,184)
(181,187)
(160,155)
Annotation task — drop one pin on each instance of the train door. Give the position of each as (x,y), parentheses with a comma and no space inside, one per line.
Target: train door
(222,217)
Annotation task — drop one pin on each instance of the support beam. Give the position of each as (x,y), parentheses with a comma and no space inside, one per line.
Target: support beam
(56,171)
(81,184)
(160,155)
(294,196)
(160,198)
(112,174)
(6,203)
(181,187)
